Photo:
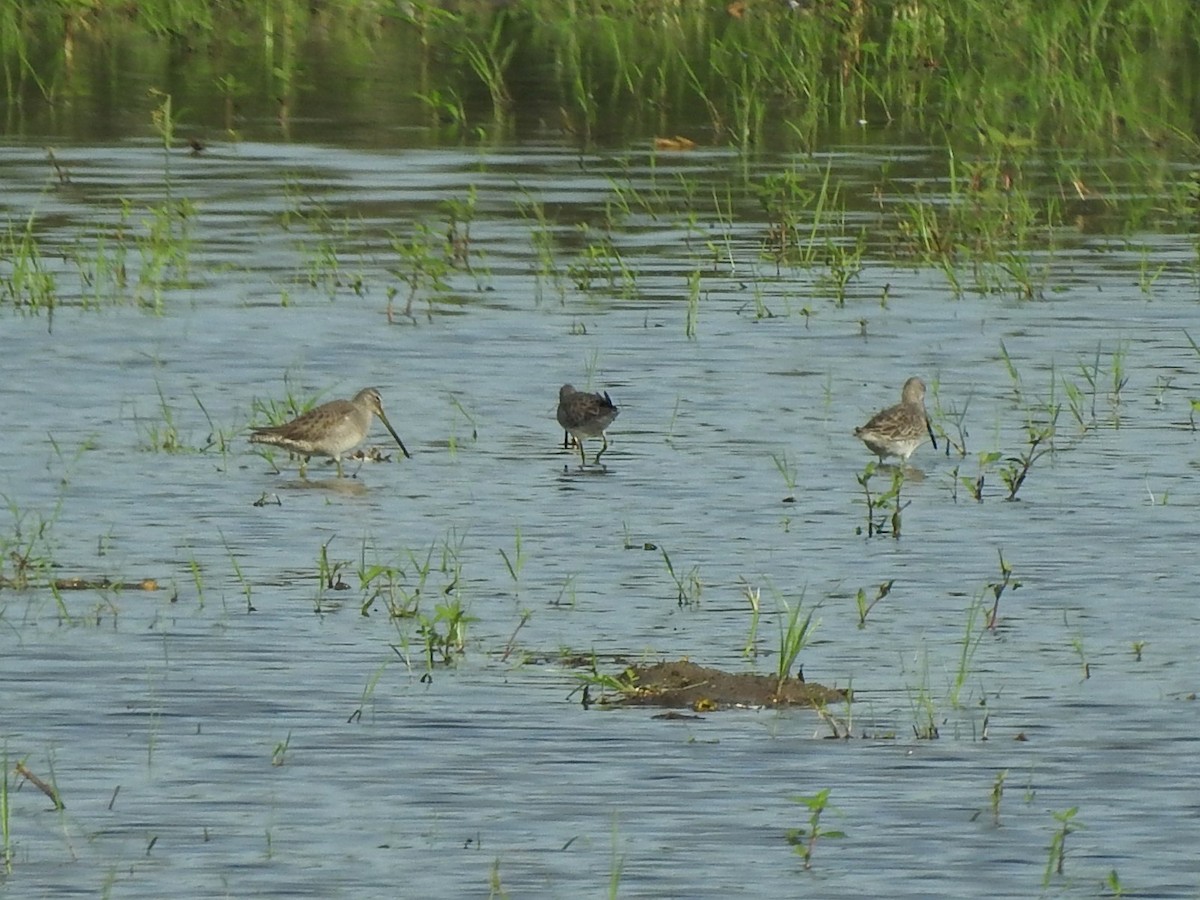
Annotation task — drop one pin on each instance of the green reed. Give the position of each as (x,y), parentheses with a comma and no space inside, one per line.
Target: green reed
(622,685)
(972,636)
(424,261)
(516,562)
(953,415)
(329,574)
(997,588)
(489,57)
(1038,443)
(321,239)
(444,634)
(794,635)
(843,262)
(993,231)
(1056,852)
(616,866)
(197,574)
(368,691)
(688,585)
(996,795)
(754,599)
(276,412)
(600,260)
(692,319)
(1113,883)
(247,588)
(163,434)
(542,238)
(840,727)
(923,706)
(787,470)
(790,205)
(865,606)
(883,508)
(102,264)
(510,645)
(280,750)
(856,61)
(399,587)
(28,284)
(468,417)
(804,839)
(380,580)
(1022,72)
(165,242)
(26,548)
(1081,652)
(219,437)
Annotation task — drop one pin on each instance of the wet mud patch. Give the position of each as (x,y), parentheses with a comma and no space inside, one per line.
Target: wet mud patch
(684,684)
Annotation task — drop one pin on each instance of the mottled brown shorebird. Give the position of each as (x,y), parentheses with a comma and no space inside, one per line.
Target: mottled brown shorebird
(900,429)
(583,415)
(330,429)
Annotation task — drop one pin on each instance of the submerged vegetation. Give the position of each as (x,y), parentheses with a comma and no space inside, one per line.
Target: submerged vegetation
(1013,98)
(1049,122)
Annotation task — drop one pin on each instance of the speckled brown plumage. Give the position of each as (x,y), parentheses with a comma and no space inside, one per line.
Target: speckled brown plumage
(900,429)
(584,415)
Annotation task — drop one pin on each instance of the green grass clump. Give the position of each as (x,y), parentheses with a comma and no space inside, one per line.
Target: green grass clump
(989,75)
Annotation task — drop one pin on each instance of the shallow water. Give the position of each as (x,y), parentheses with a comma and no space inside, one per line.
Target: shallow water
(157,713)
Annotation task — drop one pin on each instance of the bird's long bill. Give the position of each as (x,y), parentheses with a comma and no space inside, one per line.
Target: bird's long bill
(388,425)
(928,427)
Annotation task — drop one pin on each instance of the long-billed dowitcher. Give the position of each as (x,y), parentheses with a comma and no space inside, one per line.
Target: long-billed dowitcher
(330,429)
(900,429)
(584,415)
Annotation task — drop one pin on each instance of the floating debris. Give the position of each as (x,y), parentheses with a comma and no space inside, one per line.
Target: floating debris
(101,584)
(685,684)
(677,143)
(47,789)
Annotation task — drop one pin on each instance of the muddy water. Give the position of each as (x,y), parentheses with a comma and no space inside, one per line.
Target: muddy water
(157,713)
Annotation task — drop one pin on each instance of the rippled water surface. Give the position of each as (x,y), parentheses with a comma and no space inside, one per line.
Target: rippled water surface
(159,714)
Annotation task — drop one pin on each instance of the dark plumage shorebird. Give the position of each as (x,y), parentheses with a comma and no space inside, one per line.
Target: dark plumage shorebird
(583,415)
(330,429)
(900,429)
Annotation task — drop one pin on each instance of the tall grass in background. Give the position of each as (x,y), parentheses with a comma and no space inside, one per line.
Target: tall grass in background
(743,71)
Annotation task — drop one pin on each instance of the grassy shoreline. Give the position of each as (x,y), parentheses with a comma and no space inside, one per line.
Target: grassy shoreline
(968,72)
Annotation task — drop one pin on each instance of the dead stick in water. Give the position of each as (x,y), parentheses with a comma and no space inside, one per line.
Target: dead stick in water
(42,786)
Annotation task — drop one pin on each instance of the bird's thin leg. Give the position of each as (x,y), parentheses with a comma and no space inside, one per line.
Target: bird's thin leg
(566,439)
(603,437)
(338,462)
(582,455)
(304,467)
